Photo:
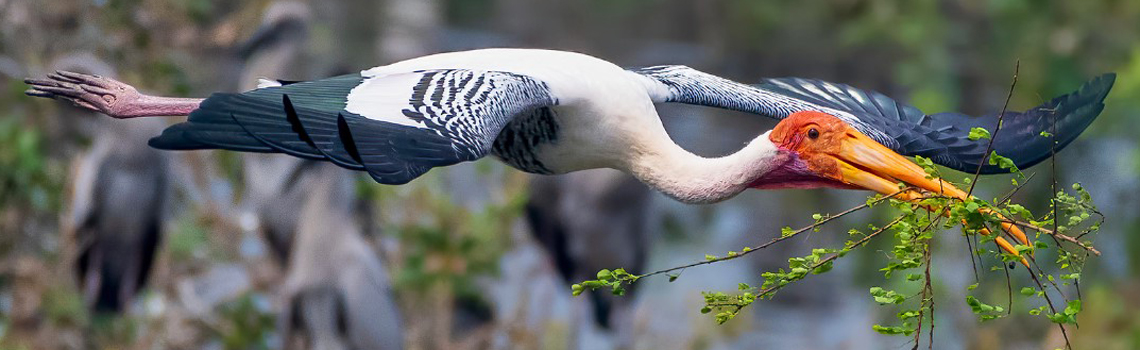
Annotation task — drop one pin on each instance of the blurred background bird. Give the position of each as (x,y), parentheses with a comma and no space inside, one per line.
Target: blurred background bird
(116,210)
(337,292)
(593,220)
(277,49)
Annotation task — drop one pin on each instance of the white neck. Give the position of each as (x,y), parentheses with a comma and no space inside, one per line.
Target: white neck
(690,178)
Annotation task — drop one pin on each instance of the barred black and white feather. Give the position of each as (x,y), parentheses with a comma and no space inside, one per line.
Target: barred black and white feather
(690,86)
(467,106)
(396,127)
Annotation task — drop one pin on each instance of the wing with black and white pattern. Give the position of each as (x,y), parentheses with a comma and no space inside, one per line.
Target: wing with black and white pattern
(396,127)
(901,127)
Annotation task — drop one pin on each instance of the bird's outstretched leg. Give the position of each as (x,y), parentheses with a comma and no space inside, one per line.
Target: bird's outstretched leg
(108,96)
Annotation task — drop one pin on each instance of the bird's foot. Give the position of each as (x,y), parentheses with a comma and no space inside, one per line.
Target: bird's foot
(93,92)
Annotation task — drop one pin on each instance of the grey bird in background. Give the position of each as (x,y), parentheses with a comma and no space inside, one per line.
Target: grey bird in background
(276,50)
(279,41)
(337,291)
(588,221)
(118,189)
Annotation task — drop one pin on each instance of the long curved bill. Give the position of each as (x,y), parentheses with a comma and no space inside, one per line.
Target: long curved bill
(870,165)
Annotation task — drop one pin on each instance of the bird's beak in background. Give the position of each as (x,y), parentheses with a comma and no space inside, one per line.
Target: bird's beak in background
(868,164)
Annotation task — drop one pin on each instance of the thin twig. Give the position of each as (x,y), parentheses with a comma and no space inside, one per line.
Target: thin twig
(1009,292)
(1001,117)
(767,292)
(1060,236)
(1053,176)
(926,295)
(1008,196)
(973,263)
(777,239)
(832,257)
(930,341)
(1049,301)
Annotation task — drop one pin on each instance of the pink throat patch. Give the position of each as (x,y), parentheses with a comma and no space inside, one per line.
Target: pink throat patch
(795,174)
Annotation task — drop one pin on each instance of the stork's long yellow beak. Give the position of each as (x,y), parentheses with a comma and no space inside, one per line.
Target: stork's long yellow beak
(870,165)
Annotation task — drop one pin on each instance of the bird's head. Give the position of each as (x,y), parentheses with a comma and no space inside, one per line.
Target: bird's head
(824,151)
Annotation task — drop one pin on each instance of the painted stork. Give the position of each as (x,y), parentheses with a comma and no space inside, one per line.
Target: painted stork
(552,112)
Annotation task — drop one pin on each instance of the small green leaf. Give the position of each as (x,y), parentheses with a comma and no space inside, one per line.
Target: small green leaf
(1073,307)
(604,274)
(978,134)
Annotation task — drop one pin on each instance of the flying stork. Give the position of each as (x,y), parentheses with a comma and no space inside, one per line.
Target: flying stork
(552,112)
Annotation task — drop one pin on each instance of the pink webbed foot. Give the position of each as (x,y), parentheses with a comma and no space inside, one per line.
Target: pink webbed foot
(93,92)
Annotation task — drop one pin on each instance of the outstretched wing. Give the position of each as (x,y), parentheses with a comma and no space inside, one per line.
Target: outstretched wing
(396,126)
(943,136)
(901,127)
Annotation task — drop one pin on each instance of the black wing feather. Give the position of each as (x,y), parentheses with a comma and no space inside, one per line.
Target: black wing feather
(326,139)
(943,136)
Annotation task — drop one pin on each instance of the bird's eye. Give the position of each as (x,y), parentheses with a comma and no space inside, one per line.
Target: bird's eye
(813,133)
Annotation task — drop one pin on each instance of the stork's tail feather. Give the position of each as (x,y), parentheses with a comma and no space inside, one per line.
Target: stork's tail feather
(308,120)
(267,120)
(211,127)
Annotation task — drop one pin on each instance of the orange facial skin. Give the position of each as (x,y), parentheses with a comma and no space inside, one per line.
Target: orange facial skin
(825,151)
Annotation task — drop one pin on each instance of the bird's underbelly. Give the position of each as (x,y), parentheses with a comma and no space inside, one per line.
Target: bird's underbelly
(563,139)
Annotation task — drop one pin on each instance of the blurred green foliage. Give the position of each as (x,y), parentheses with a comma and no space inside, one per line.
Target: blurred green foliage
(189,240)
(27,179)
(446,244)
(244,325)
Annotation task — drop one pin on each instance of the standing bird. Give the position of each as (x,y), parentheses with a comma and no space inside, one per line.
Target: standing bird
(276,49)
(119,190)
(338,292)
(588,221)
(552,112)
(116,201)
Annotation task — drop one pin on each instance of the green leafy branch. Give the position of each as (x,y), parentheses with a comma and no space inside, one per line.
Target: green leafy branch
(617,279)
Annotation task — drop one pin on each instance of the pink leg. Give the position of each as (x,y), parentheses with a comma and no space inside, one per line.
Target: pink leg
(108,96)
